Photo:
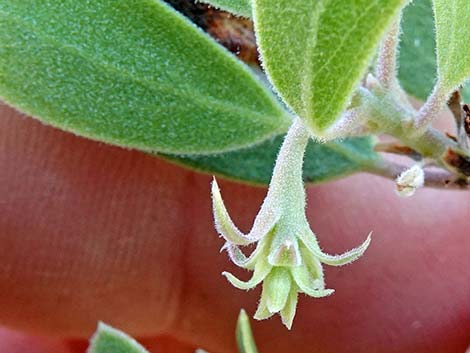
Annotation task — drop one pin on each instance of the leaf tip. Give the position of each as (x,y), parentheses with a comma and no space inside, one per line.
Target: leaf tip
(107,336)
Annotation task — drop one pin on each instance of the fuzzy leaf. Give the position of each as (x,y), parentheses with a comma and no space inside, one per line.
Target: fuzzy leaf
(452,35)
(316,51)
(323,162)
(418,68)
(132,73)
(417,59)
(245,340)
(237,7)
(109,340)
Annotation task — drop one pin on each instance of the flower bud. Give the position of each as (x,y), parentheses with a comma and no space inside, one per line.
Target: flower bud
(410,180)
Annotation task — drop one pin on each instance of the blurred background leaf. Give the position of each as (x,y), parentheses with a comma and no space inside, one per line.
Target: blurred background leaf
(417,59)
(245,340)
(109,340)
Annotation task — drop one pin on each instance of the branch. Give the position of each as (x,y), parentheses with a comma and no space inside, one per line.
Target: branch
(395,148)
(387,116)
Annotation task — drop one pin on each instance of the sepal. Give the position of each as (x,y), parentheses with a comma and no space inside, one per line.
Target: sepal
(262,269)
(335,260)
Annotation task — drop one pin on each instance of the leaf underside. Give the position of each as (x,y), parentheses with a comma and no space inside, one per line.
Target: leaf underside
(452,38)
(237,7)
(417,59)
(316,51)
(254,165)
(133,73)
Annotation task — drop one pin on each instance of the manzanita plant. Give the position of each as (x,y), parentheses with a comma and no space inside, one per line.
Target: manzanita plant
(315,55)
(141,75)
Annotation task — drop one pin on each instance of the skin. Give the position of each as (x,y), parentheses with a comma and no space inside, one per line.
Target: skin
(93,232)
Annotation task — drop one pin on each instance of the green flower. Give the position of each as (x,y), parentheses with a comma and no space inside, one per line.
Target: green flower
(287,258)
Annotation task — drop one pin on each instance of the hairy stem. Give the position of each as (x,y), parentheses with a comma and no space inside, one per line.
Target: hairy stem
(430,109)
(387,64)
(386,69)
(287,172)
(387,115)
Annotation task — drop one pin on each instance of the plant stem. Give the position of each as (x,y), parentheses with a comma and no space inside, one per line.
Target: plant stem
(286,182)
(428,112)
(388,116)
(386,69)
(398,149)
(387,66)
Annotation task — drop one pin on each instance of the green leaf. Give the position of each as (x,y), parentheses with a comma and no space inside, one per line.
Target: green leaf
(237,7)
(418,68)
(245,340)
(417,59)
(323,162)
(109,340)
(452,42)
(133,73)
(316,51)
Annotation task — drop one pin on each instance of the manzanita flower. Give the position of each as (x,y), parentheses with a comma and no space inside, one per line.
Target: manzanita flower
(287,258)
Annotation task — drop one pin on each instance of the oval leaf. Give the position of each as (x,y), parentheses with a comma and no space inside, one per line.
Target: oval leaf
(237,7)
(109,340)
(316,51)
(452,36)
(132,73)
